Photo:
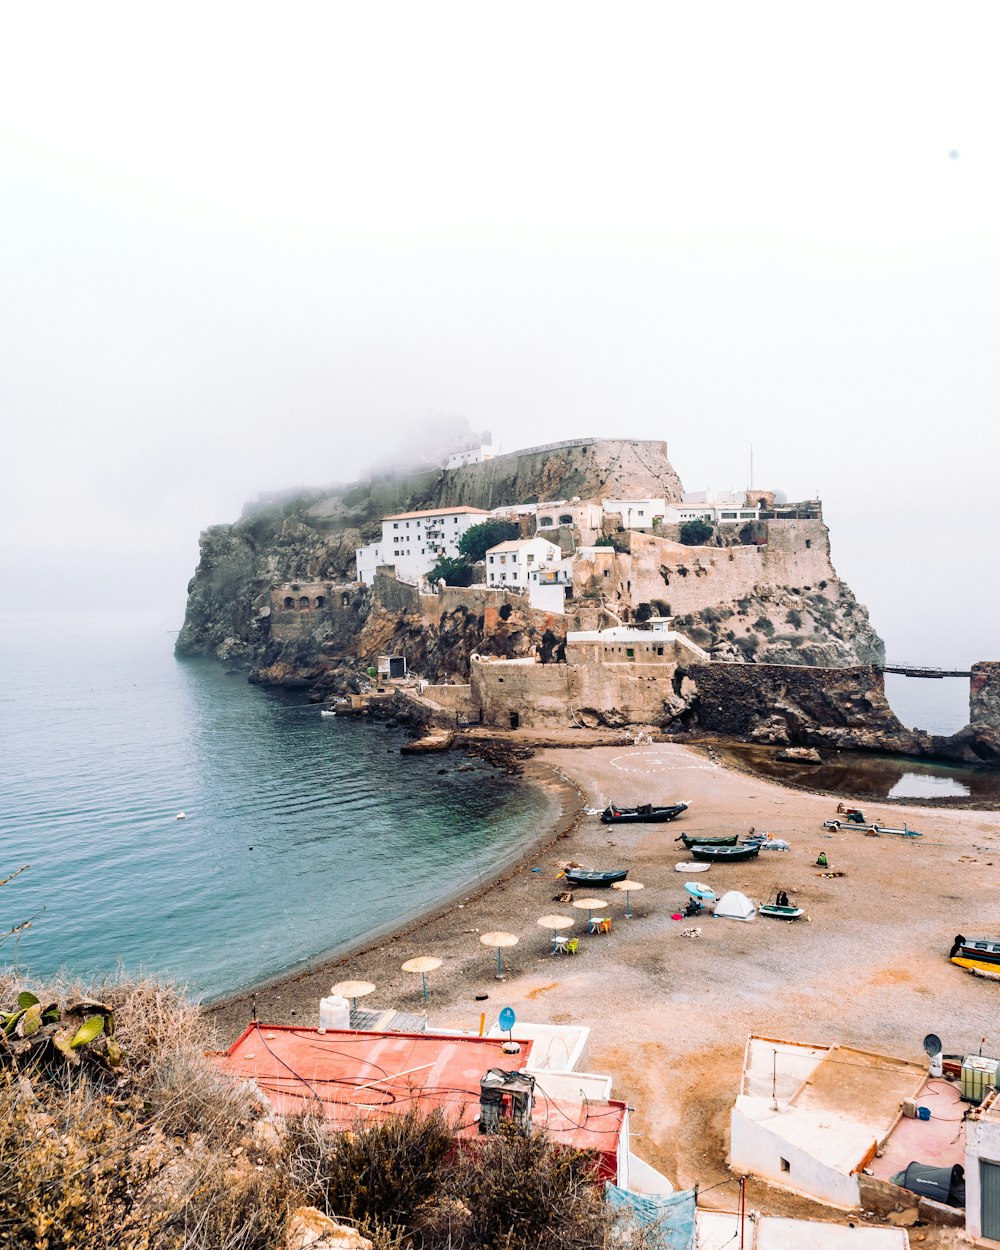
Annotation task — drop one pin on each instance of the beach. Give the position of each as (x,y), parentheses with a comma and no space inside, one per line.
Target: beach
(670,1014)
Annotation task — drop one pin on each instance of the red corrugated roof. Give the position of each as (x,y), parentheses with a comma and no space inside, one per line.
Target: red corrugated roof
(350,1075)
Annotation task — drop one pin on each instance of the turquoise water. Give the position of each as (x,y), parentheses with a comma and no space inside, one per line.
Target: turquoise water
(302,832)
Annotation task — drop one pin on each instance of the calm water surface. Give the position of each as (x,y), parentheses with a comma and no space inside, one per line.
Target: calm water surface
(302,832)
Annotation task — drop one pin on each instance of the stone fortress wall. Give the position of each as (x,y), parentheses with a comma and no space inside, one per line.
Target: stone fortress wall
(790,553)
(298,609)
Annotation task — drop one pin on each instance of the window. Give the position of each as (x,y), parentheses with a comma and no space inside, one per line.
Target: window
(659,650)
(492,559)
(304,601)
(345,599)
(320,601)
(565,519)
(607,573)
(641,513)
(809,542)
(630,652)
(728,516)
(531,558)
(544,521)
(289,601)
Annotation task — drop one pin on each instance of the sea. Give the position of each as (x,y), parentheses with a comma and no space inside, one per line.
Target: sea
(301,834)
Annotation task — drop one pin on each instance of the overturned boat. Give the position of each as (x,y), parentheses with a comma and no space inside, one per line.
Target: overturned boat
(613,815)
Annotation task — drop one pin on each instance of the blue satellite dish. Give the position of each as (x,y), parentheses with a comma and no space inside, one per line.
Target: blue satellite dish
(507,1019)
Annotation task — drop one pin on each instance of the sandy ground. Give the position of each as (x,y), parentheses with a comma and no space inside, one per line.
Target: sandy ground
(670,1015)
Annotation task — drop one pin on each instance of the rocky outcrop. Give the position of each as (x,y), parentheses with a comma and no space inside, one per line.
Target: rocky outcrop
(311,536)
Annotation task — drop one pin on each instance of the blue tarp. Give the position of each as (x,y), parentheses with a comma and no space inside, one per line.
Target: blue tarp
(669,1217)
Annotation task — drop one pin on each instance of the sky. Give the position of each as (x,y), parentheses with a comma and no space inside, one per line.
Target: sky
(245,247)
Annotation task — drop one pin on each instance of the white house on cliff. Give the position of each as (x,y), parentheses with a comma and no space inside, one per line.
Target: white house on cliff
(413,542)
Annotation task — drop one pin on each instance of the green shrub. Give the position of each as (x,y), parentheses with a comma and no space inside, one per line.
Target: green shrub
(478,539)
(455,572)
(695,533)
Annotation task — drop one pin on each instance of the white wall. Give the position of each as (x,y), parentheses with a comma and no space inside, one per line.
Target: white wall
(756,1148)
(982,1141)
(415,544)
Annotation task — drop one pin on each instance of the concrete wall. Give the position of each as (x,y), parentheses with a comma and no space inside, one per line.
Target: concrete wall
(756,1150)
(982,1141)
(452,698)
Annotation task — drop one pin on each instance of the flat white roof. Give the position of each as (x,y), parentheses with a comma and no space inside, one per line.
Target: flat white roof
(718,1230)
(515,544)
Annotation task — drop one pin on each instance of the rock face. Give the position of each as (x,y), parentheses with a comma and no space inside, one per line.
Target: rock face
(311,536)
(275,593)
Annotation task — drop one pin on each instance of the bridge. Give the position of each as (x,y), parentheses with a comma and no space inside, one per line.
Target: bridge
(922,670)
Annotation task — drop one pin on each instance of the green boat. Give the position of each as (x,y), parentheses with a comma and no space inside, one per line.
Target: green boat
(780,913)
(690,840)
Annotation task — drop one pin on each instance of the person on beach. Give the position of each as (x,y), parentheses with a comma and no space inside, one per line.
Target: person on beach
(821,861)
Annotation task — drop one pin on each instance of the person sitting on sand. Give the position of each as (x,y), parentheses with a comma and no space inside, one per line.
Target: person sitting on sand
(782,899)
(821,860)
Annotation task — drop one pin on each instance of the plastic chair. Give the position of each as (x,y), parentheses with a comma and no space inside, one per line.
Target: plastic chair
(572,946)
(604,926)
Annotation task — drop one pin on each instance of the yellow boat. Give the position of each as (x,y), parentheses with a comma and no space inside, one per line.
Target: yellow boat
(978,955)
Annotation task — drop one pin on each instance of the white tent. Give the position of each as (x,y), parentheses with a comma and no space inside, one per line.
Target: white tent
(735,906)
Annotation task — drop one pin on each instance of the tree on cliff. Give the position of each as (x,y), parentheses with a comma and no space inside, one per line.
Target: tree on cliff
(478,539)
(695,533)
(455,572)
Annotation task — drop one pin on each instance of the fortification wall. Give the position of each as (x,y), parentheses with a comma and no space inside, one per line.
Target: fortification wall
(564,695)
(320,608)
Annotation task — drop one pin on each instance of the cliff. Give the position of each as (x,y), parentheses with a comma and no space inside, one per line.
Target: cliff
(311,536)
(276,591)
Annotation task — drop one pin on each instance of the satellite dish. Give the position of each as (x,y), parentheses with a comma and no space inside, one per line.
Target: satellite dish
(932,1044)
(507,1019)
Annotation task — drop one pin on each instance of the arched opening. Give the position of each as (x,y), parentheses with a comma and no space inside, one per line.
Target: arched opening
(565,519)
(345,600)
(289,602)
(304,601)
(320,601)
(544,522)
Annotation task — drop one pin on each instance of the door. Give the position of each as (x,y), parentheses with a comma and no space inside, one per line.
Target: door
(989,1198)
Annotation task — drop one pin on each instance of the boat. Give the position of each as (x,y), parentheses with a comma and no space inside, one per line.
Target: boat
(613,815)
(327,712)
(599,880)
(690,840)
(724,854)
(781,913)
(979,955)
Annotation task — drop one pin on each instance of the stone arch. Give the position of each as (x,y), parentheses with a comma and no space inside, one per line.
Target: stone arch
(304,601)
(544,522)
(289,602)
(565,519)
(320,600)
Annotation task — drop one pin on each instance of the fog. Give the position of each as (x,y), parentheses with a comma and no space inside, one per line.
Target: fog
(247,247)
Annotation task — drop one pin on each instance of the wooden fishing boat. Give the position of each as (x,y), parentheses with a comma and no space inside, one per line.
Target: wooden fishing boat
(724,854)
(690,840)
(644,813)
(978,955)
(599,880)
(781,913)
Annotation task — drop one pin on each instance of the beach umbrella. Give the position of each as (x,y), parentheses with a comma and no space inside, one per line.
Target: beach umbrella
(698,890)
(499,939)
(589,904)
(626,886)
(555,923)
(353,990)
(423,964)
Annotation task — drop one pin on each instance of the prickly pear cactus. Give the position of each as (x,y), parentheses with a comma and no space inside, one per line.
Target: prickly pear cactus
(51,1038)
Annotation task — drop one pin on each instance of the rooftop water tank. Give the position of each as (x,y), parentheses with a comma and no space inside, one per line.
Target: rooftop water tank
(334,1012)
(979,1076)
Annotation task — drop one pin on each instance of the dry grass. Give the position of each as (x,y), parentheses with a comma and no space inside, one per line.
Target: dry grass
(164,1152)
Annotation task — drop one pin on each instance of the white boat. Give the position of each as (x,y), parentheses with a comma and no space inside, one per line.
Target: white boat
(324,711)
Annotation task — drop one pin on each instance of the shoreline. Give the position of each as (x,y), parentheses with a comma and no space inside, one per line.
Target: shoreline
(565,801)
(668,1016)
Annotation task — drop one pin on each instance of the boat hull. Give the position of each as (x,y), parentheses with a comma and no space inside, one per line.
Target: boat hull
(690,841)
(781,913)
(982,968)
(724,854)
(633,815)
(598,880)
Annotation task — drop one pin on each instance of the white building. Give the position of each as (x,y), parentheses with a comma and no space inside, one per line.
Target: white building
(800,1123)
(413,542)
(548,585)
(641,514)
(717,506)
(982,1170)
(472,455)
(510,563)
